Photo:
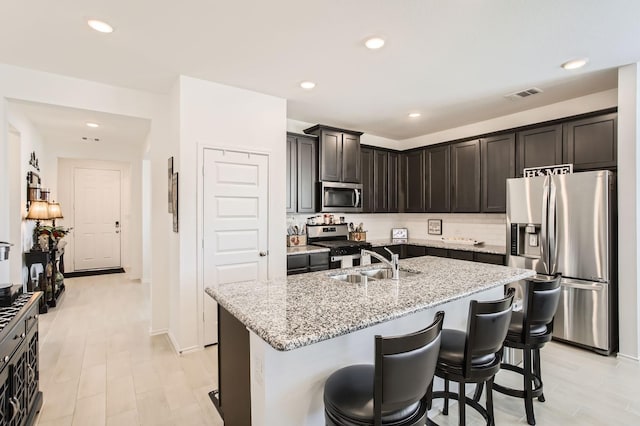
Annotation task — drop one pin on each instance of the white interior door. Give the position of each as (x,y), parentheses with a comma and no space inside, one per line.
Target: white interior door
(97,218)
(235,223)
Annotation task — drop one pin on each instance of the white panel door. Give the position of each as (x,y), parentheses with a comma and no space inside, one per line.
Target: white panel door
(235,224)
(97,219)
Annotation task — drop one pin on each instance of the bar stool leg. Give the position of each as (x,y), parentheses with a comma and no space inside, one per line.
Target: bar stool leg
(445,409)
(461,404)
(537,371)
(528,387)
(489,399)
(478,393)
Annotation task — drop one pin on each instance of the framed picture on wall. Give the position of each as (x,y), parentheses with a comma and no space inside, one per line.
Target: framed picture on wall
(435,226)
(174,200)
(170,184)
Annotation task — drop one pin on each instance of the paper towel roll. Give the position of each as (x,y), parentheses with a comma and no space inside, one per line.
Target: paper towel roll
(346,262)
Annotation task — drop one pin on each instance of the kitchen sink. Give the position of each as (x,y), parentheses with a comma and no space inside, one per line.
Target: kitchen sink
(386,273)
(371,275)
(352,278)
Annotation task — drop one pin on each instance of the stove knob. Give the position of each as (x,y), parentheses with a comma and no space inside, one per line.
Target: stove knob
(6,358)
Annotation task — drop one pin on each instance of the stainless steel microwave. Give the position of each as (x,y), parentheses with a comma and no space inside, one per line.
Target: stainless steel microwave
(337,197)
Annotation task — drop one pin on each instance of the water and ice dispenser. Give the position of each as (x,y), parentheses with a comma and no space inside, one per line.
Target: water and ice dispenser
(525,239)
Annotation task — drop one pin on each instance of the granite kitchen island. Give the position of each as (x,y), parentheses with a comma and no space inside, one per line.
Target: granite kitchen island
(279,340)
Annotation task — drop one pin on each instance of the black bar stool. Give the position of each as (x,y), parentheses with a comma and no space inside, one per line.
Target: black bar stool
(529,330)
(394,391)
(474,356)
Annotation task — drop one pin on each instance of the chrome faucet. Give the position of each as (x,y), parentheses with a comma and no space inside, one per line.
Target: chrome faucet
(394,263)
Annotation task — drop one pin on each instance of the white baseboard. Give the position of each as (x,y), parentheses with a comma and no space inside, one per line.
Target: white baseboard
(158,331)
(620,355)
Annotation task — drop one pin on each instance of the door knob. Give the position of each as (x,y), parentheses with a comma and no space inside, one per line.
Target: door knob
(263,253)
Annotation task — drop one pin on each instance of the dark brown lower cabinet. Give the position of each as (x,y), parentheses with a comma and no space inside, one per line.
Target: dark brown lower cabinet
(20,397)
(415,251)
(438,252)
(461,254)
(303,263)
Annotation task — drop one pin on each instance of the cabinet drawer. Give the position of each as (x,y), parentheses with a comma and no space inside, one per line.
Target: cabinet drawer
(297,261)
(31,318)
(324,267)
(496,259)
(461,254)
(319,259)
(14,337)
(297,271)
(416,251)
(439,252)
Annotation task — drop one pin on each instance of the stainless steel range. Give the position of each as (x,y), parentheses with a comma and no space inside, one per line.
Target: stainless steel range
(343,252)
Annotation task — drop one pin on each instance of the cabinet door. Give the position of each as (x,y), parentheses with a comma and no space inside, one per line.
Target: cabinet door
(539,147)
(32,369)
(330,156)
(415,251)
(591,143)
(392,182)
(307,175)
(366,174)
(18,368)
(439,252)
(380,181)
(413,181)
(350,158)
(292,167)
(460,254)
(6,410)
(496,259)
(437,169)
(465,177)
(498,164)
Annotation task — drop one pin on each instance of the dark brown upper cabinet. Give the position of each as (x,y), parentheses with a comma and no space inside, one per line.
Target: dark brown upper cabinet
(437,179)
(465,177)
(392,181)
(412,184)
(366,178)
(538,147)
(292,173)
(302,173)
(379,177)
(339,153)
(498,164)
(380,181)
(591,143)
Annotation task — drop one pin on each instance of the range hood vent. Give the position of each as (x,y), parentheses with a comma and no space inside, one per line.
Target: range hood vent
(523,93)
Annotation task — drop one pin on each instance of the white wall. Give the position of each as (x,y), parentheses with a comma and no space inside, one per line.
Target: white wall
(16,181)
(628,209)
(216,115)
(30,141)
(35,86)
(581,105)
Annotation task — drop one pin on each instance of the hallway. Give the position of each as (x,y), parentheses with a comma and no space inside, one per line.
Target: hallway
(99,366)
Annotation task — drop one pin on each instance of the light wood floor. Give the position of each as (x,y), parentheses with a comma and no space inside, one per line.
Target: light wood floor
(99,366)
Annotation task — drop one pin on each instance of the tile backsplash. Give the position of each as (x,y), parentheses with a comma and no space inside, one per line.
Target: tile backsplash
(488,228)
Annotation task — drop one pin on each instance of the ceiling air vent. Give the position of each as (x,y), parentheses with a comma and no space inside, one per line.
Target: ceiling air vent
(523,93)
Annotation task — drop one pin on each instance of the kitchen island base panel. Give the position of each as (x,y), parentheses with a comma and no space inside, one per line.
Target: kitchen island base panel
(287,386)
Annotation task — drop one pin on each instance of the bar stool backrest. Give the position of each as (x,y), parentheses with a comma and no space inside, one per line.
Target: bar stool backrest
(487,328)
(405,366)
(542,301)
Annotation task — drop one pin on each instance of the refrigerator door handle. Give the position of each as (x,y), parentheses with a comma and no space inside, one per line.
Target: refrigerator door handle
(553,229)
(544,248)
(590,287)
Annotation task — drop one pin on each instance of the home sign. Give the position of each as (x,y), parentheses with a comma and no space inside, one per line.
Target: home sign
(560,169)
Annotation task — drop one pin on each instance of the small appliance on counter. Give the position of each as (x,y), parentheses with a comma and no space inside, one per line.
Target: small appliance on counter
(343,252)
(358,233)
(8,292)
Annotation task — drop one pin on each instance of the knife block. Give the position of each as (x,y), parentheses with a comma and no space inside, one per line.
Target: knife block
(296,240)
(358,236)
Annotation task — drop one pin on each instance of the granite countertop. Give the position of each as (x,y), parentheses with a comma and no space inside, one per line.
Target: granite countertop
(305,249)
(481,248)
(299,310)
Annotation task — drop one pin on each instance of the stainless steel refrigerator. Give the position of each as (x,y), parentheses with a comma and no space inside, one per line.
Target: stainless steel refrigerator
(566,224)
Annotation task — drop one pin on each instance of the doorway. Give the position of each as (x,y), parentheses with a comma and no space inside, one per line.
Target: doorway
(235,212)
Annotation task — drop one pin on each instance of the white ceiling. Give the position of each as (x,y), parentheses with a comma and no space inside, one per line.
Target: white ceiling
(62,124)
(451,60)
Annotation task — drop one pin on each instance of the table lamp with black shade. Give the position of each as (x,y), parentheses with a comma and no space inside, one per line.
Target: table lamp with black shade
(38,210)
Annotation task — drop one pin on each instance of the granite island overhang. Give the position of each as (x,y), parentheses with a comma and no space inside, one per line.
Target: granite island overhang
(295,331)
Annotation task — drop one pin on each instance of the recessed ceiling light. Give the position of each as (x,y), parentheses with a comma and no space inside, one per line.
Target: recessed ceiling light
(93,125)
(308,85)
(374,43)
(414,114)
(575,64)
(100,26)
